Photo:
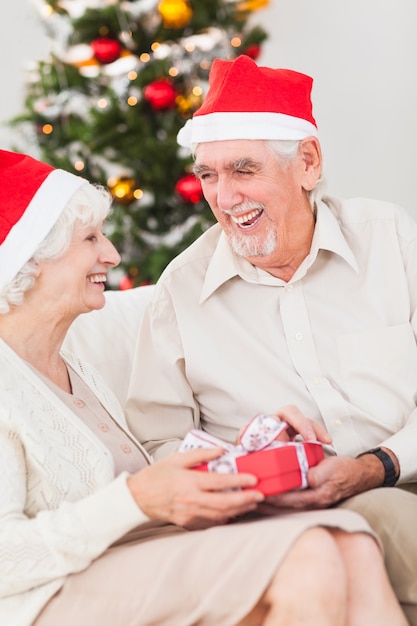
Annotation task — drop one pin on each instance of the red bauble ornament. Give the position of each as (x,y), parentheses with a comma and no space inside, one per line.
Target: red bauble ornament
(189,188)
(106,50)
(253,51)
(125,283)
(160,94)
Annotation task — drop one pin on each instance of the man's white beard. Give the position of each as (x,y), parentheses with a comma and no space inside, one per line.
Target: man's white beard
(251,246)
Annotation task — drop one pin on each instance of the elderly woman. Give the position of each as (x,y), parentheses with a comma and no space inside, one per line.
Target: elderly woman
(91,531)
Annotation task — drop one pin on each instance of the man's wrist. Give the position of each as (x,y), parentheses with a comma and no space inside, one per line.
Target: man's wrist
(391,471)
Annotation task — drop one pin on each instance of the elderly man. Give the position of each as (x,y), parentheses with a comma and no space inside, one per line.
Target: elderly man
(292,298)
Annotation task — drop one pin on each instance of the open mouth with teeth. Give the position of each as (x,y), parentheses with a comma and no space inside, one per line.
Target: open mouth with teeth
(97,278)
(248,220)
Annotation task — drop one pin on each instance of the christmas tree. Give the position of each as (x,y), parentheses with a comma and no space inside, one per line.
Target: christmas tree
(121,79)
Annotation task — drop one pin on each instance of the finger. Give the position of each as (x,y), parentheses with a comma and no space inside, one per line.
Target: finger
(311,432)
(217,507)
(294,500)
(299,424)
(191,458)
(286,435)
(322,435)
(212,481)
(295,419)
(326,472)
(221,505)
(316,477)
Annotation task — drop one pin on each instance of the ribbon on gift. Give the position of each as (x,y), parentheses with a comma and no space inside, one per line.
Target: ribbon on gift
(260,434)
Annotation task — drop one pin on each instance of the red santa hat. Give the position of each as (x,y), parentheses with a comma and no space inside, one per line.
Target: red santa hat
(32,197)
(245,101)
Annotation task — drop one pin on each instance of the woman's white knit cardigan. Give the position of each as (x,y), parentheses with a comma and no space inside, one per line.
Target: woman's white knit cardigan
(56,489)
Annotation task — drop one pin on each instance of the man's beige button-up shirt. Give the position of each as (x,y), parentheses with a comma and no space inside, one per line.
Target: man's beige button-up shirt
(223,340)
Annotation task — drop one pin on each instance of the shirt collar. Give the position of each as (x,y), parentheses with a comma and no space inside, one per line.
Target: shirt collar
(225,264)
(329,236)
(221,268)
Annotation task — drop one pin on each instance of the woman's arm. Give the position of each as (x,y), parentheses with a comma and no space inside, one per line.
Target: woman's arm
(49,544)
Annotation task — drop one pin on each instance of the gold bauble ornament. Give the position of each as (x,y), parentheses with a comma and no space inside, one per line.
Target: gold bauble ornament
(123,189)
(188,103)
(175,13)
(252,5)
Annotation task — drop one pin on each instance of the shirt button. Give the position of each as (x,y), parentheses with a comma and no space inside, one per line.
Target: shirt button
(317,381)
(338,422)
(299,336)
(103,427)
(289,288)
(125,448)
(79,403)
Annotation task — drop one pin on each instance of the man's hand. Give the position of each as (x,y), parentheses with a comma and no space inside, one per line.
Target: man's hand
(298,425)
(170,490)
(332,480)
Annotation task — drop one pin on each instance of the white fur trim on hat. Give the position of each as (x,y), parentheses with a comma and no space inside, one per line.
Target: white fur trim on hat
(231,125)
(35,223)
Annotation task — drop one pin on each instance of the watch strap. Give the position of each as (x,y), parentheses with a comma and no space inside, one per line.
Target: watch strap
(389,467)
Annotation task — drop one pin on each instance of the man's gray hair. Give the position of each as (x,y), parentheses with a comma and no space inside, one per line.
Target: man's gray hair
(287,151)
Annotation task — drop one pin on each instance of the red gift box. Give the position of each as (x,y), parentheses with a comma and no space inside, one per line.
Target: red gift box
(280,468)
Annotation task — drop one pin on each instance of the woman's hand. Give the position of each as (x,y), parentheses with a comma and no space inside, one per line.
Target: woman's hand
(171,490)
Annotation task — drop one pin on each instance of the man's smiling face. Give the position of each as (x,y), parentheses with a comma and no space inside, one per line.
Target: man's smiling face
(258,198)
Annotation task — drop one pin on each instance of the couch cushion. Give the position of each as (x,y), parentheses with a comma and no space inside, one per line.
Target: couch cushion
(107,338)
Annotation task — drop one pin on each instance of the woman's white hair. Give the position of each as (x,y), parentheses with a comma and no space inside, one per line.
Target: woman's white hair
(88,206)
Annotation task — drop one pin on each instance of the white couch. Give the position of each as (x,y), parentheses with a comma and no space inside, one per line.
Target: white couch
(107,338)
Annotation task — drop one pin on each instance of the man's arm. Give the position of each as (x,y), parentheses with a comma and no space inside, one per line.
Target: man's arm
(160,407)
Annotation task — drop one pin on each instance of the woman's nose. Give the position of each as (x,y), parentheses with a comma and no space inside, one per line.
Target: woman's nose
(109,253)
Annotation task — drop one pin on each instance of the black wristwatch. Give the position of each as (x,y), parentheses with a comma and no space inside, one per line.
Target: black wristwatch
(389,467)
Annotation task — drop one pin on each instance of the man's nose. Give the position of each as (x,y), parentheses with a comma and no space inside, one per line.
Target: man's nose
(228,194)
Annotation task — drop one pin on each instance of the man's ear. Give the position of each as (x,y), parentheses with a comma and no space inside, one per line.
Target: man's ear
(310,153)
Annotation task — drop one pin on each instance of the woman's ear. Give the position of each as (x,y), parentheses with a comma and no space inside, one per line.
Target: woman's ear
(310,153)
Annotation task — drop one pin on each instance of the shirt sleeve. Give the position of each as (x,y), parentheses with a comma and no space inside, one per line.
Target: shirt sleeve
(401,442)
(161,407)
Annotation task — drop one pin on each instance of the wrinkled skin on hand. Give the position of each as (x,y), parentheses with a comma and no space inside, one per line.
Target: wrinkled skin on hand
(171,490)
(332,480)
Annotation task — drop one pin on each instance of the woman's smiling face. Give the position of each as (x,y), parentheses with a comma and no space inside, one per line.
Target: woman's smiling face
(77,278)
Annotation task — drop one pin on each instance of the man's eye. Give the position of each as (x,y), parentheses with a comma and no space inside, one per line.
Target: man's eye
(92,238)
